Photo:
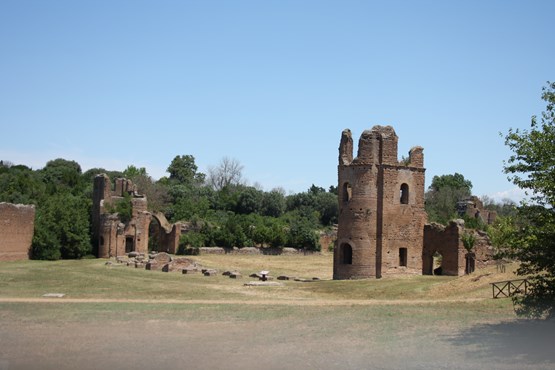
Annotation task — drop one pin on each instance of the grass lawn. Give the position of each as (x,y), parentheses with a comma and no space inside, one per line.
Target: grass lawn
(122,317)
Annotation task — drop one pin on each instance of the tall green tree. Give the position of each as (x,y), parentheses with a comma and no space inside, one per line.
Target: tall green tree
(532,167)
(183,170)
(62,175)
(62,228)
(443,194)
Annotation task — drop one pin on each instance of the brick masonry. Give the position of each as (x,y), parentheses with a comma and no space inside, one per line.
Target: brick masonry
(17,224)
(382,220)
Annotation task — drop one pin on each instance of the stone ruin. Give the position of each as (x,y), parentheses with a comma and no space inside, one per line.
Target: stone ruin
(474,208)
(382,226)
(115,238)
(17,226)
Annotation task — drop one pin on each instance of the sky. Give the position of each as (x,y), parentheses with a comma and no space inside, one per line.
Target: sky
(271,84)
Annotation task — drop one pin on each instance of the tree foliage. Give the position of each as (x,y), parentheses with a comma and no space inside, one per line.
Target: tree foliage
(532,167)
(226,212)
(443,194)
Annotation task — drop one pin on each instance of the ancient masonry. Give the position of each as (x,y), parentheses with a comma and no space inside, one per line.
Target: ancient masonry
(381,207)
(382,221)
(17,224)
(473,207)
(116,238)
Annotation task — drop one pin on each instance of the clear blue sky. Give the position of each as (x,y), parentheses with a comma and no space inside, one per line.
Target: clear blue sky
(271,83)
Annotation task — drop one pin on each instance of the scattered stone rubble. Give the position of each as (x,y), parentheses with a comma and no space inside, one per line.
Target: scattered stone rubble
(166,263)
(158,262)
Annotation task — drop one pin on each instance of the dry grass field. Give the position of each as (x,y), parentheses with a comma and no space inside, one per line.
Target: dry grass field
(125,318)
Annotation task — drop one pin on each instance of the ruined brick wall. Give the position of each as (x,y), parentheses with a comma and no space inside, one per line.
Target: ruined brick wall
(445,240)
(381,207)
(17,224)
(474,208)
(112,237)
(115,238)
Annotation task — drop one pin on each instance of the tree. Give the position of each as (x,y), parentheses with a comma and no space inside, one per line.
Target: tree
(228,172)
(62,175)
(443,194)
(183,170)
(532,167)
(62,228)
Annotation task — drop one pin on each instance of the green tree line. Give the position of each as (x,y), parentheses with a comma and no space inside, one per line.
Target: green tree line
(223,210)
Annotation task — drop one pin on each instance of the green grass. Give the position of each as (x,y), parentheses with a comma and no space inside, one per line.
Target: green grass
(94,280)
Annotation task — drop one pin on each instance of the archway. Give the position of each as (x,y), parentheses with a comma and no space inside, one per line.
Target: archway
(404,194)
(154,237)
(347,192)
(437,263)
(129,244)
(346,254)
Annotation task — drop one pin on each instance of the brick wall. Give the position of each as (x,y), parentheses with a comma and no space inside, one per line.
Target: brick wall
(17,223)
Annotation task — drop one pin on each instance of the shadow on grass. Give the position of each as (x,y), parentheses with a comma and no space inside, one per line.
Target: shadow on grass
(530,342)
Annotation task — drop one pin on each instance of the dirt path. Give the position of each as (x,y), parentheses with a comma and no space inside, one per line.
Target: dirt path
(299,302)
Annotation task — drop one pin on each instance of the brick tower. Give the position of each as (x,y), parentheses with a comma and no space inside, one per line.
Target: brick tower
(381,207)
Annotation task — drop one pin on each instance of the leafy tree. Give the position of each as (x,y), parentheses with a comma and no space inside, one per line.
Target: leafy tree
(62,175)
(188,202)
(20,185)
(443,194)
(62,228)
(500,235)
(156,192)
(532,167)
(249,201)
(183,170)
(132,172)
(505,208)
(273,203)
(303,235)
(123,207)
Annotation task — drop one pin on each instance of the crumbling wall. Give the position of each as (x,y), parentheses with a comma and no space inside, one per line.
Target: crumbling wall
(381,207)
(446,241)
(456,259)
(474,208)
(17,224)
(114,237)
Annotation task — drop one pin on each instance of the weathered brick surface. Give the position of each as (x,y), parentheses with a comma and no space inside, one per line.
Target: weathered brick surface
(17,223)
(115,238)
(375,223)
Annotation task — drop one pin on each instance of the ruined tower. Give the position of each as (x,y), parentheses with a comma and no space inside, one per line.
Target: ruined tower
(112,235)
(381,207)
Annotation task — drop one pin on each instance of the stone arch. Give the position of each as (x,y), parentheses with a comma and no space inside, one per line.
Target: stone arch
(163,234)
(437,263)
(347,192)
(346,254)
(404,193)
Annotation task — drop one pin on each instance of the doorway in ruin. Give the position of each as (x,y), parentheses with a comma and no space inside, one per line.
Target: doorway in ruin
(470,264)
(154,237)
(437,263)
(346,254)
(129,244)
(403,257)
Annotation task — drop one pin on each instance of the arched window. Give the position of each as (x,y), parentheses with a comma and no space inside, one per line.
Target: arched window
(404,194)
(347,192)
(346,254)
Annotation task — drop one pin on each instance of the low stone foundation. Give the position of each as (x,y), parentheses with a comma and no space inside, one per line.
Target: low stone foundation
(256,251)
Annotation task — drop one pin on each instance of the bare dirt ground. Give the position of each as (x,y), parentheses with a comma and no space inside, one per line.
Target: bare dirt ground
(225,335)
